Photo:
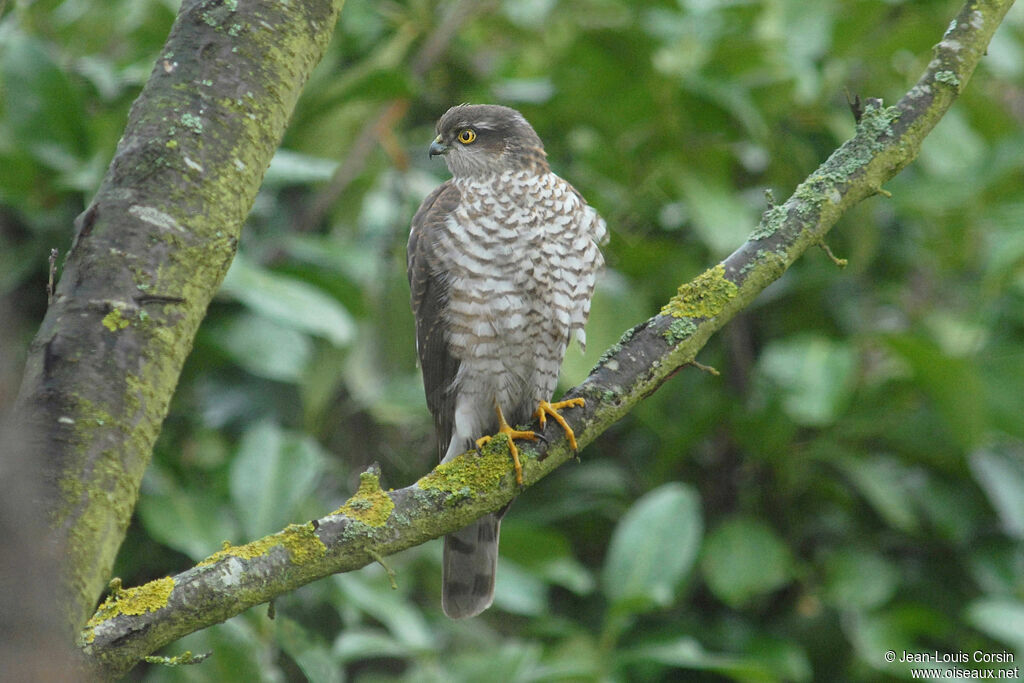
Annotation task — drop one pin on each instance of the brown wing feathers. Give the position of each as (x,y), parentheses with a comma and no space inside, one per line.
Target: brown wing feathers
(429,299)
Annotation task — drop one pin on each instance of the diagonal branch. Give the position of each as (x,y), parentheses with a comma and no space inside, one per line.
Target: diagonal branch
(375,523)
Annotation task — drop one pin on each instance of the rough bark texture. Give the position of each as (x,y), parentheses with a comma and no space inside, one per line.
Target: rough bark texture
(375,523)
(148,255)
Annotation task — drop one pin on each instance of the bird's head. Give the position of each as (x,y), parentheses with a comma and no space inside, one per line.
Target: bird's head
(478,140)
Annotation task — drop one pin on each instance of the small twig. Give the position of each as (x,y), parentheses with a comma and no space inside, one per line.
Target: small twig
(705,368)
(271,610)
(856,106)
(385,134)
(49,283)
(391,572)
(840,262)
(144,299)
(115,587)
(433,48)
(346,172)
(186,658)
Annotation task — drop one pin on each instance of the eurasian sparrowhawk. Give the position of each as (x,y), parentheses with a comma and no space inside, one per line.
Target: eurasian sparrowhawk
(502,263)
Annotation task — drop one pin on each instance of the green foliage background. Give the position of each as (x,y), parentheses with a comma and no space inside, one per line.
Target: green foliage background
(852,483)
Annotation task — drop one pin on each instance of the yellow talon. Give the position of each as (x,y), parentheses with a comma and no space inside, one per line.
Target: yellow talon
(545,409)
(505,428)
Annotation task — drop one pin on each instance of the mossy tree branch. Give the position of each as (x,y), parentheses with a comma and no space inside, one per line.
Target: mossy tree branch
(375,523)
(148,255)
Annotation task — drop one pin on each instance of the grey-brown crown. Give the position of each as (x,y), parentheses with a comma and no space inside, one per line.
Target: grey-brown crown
(483,139)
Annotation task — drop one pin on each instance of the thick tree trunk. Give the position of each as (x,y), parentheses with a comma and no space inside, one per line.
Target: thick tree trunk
(148,255)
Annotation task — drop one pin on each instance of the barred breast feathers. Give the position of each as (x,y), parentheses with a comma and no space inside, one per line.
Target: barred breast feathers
(519,242)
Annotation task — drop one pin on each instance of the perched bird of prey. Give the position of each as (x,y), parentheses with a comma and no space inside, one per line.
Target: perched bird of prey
(502,261)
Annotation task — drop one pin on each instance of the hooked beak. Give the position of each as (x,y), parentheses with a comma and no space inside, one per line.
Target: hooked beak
(437,147)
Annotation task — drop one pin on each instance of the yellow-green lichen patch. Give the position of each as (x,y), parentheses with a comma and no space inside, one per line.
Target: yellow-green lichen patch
(370,504)
(115,321)
(246,552)
(704,297)
(142,599)
(470,472)
(302,543)
(949,78)
(770,223)
(680,329)
(300,540)
(192,122)
(616,347)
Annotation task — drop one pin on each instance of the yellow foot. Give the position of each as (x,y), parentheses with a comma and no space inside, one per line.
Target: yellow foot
(504,428)
(545,409)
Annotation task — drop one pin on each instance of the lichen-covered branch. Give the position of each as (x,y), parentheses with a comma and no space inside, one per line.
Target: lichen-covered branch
(375,523)
(147,257)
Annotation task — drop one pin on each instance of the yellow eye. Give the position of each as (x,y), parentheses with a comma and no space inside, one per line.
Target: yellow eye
(467,135)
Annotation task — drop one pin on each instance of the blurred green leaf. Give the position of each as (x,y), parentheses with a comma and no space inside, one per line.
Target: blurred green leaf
(953,148)
(391,608)
(574,657)
(545,553)
(721,218)
(191,520)
(812,375)
(998,567)
(739,103)
(272,474)
(952,383)
(805,34)
(16,263)
(1003,375)
(356,644)
(1001,618)
(859,579)
(313,656)
(947,508)
(290,302)
(901,627)
(743,559)
(652,549)
(519,592)
(507,660)
(103,74)
(1004,242)
(288,167)
(239,652)
(379,81)
(596,488)
(999,469)
(529,13)
(786,658)
(263,347)
(41,106)
(881,480)
(687,653)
